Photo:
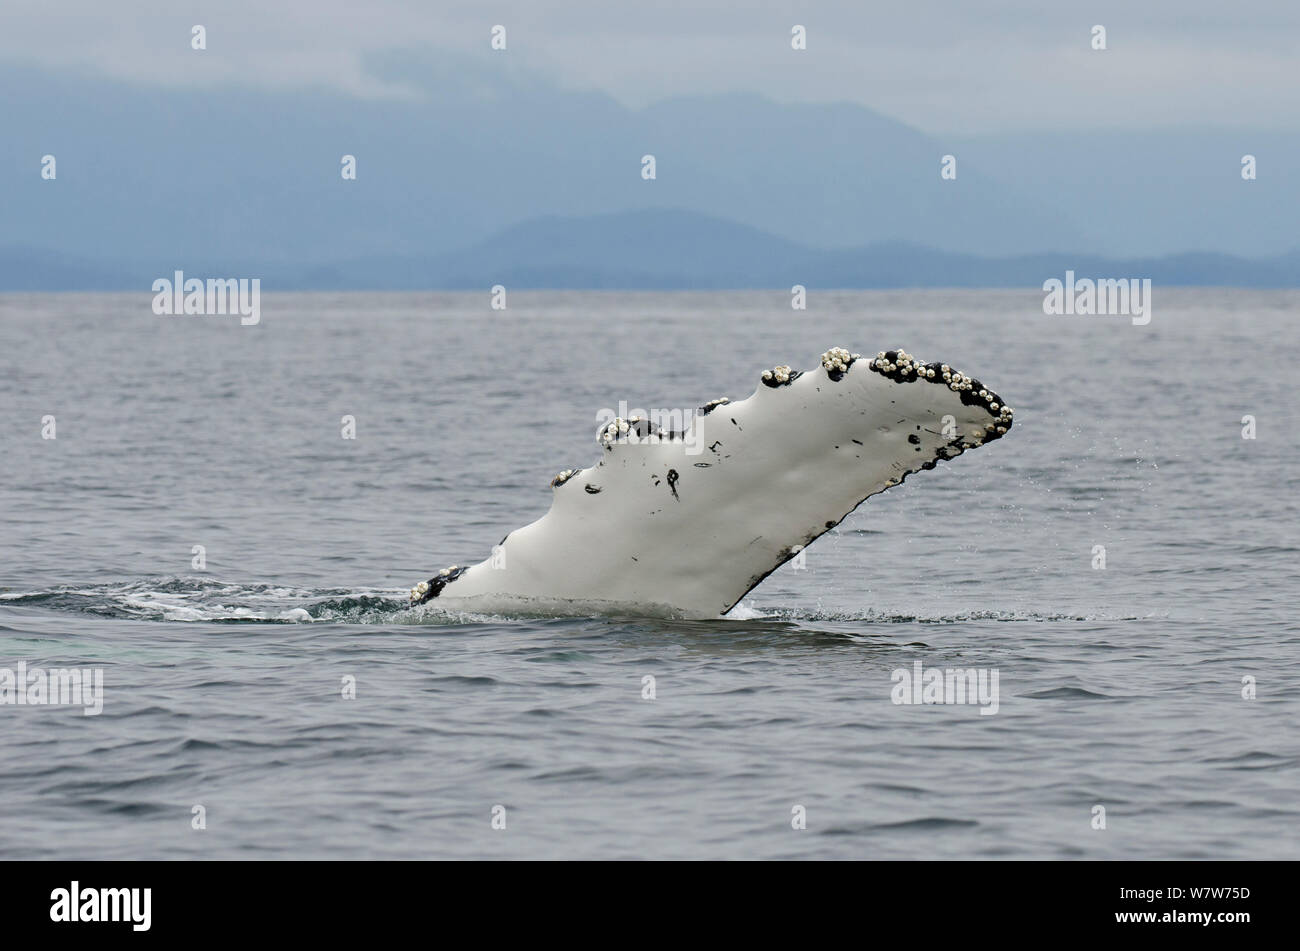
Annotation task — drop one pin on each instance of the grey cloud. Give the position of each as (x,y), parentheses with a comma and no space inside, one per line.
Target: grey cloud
(943,65)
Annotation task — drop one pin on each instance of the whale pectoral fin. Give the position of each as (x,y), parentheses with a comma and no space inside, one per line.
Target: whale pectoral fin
(665,526)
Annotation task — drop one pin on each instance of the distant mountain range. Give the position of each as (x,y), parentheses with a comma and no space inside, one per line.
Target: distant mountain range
(487,174)
(655,249)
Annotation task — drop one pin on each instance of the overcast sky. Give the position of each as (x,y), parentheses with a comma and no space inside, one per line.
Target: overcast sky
(956,66)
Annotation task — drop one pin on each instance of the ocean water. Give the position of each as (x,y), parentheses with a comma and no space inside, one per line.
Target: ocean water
(1119,687)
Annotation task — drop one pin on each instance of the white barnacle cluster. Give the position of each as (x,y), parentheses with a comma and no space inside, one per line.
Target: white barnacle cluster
(956,380)
(837,359)
(779,374)
(420,591)
(959,382)
(714,404)
(903,363)
(562,477)
(616,428)
(1003,422)
(903,366)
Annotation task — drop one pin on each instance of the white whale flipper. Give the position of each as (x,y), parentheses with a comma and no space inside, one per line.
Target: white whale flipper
(655,527)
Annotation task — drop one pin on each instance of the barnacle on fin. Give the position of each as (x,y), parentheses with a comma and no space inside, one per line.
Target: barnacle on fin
(780,376)
(428,590)
(902,367)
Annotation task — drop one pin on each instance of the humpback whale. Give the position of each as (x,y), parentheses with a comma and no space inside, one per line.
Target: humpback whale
(653,528)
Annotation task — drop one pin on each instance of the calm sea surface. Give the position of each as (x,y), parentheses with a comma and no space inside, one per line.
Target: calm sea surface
(1119,687)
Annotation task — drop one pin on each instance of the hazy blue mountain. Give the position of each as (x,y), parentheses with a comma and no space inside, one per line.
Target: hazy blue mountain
(479,157)
(679,249)
(658,249)
(1156,192)
(229,172)
(30,269)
